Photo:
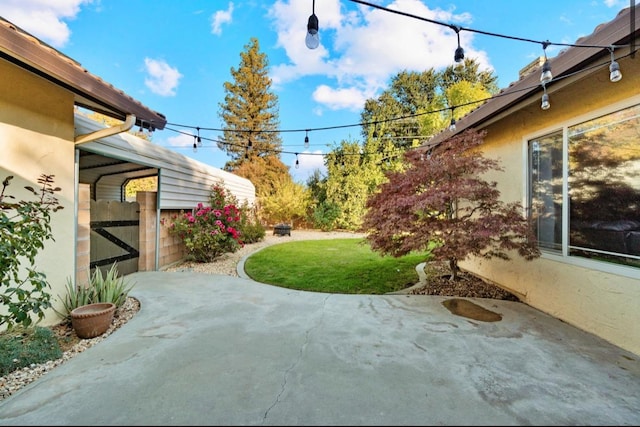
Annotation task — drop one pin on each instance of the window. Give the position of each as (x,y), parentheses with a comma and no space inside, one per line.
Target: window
(545,158)
(584,188)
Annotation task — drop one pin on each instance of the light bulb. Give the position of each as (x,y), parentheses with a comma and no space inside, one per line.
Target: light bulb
(546,75)
(614,72)
(545,102)
(459,56)
(452,126)
(313,38)
(306,141)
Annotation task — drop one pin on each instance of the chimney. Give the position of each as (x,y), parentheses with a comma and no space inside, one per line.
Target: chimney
(532,66)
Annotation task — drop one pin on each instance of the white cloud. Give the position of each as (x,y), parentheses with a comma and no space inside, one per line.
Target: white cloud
(360,50)
(44,19)
(181,140)
(614,3)
(336,99)
(162,78)
(221,17)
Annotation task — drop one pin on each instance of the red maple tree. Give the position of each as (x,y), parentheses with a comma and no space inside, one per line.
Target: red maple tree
(441,203)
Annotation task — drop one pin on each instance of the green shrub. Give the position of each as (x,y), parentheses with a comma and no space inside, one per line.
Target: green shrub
(21,347)
(325,215)
(250,228)
(209,231)
(102,288)
(24,228)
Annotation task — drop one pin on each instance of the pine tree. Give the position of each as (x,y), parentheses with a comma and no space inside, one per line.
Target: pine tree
(250,110)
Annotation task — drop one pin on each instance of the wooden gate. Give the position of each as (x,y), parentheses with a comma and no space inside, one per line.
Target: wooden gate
(115,235)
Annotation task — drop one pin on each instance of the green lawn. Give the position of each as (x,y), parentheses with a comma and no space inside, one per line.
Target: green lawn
(345,266)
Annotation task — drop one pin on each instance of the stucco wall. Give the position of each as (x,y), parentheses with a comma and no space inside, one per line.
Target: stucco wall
(36,137)
(597,297)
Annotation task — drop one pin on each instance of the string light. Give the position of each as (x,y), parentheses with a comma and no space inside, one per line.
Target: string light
(297,162)
(392,119)
(306,139)
(614,69)
(195,146)
(545,77)
(545,105)
(612,64)
(452,124)
(312,40)
(198,138)
(458,56)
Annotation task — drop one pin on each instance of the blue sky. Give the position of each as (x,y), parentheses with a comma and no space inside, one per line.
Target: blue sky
(174,56)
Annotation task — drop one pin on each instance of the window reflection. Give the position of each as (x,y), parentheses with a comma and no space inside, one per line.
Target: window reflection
(545,158)
(603,170)
(604,187)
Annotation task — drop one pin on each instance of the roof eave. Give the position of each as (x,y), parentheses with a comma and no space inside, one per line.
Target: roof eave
(615,32)
(91,92)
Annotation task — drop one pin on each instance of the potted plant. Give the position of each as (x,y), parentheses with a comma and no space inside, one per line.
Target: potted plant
(91,309)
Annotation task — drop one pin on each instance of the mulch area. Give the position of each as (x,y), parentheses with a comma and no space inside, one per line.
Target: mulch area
(467,285)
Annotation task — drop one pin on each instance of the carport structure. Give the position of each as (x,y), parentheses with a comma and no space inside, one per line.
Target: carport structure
(126,233)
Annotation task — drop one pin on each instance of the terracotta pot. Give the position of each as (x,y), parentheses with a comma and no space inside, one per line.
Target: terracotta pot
(92,320)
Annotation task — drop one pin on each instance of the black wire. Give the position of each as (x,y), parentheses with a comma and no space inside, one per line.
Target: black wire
(504,93)
(362,124)
(455,28)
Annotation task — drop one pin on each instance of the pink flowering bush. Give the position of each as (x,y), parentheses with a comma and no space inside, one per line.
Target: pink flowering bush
(209,231)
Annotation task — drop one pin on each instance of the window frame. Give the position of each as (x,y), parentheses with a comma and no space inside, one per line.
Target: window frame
(563,255)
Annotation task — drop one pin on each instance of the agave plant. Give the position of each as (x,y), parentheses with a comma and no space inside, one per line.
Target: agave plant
(109,287)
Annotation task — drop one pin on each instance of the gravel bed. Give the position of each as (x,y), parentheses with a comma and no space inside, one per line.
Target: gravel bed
(11,383)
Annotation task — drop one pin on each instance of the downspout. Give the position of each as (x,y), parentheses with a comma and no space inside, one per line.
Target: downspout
(102,133)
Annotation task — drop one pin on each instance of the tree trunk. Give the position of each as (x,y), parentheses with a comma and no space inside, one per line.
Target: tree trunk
(453,266)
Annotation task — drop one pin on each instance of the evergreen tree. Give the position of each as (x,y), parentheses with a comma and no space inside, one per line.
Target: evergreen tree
(470,73)
(249,111)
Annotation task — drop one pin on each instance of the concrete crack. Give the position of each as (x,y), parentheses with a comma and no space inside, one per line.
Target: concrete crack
(297,361)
